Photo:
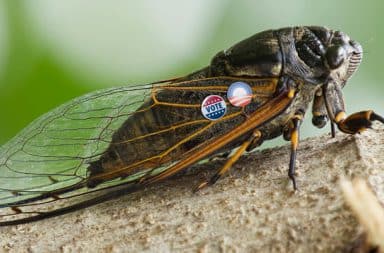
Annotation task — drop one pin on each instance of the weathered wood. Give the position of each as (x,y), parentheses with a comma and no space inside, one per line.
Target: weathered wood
(253,209)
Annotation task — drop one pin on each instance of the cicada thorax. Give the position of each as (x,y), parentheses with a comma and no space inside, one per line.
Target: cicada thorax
(257,56)
(170,124)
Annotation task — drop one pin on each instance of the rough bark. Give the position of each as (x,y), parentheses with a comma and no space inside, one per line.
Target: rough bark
(252,209)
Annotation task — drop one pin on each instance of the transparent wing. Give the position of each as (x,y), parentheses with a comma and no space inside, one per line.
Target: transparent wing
(53,151)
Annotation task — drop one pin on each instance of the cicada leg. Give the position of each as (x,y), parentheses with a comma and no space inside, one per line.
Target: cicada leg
(319,111)
(334,103)
(333,130)
(255,136)
(293,135)
(357,122)
(320,114)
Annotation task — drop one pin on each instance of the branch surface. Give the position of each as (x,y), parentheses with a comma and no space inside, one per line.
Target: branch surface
(252,209)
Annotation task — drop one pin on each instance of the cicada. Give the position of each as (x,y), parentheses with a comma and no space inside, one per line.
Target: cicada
(119,140)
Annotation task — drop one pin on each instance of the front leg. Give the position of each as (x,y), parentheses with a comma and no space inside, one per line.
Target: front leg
(357,122)
(319,112)
(353,124)
(292,133)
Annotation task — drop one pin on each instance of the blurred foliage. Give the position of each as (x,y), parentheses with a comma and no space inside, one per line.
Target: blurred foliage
(35,79)
(32,81)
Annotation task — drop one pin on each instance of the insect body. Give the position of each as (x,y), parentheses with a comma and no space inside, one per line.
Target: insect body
(116,141)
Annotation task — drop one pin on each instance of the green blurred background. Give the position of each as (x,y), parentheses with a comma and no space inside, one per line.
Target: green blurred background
(52,51)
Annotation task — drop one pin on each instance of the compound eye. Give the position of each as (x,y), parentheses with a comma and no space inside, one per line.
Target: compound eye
(335,56)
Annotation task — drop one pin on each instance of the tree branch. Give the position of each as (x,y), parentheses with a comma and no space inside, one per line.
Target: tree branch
(252,209)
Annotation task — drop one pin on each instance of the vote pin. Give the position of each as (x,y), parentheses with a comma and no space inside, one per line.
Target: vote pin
(239,94)
(213,107)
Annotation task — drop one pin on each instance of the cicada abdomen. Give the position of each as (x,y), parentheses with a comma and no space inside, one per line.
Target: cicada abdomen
(170,124)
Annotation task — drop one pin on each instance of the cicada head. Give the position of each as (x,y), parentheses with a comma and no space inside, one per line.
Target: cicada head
(343,56)
(330,52)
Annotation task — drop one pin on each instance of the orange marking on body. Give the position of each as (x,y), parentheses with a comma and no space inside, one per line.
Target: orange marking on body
(340,117)
(291,93)
(295,139)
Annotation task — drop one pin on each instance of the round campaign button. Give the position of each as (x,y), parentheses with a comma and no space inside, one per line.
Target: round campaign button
(213,107)
(239,94)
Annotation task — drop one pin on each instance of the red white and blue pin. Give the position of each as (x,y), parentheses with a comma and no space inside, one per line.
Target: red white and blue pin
(239,94)
(213,107)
